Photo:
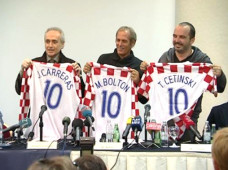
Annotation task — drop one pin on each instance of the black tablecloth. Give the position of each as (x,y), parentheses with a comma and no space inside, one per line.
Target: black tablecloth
(18,157)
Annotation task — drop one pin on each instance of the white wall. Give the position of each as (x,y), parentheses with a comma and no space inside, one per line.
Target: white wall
(210,18)
(89,27)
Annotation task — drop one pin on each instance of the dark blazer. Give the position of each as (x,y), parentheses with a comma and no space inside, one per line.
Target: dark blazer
(43,58)
(219,116)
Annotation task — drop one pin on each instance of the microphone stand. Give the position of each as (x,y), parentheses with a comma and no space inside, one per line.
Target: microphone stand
(145,121)
(19,134)
(41,124)
(153,137)
(136,140)
(88,130)
(147,144)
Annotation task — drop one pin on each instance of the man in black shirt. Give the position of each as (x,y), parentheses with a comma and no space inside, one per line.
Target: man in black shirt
(123,56)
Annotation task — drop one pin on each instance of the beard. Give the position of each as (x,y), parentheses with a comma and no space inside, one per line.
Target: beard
(180,48)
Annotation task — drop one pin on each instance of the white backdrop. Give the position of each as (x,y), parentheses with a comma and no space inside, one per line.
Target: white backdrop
(89,27)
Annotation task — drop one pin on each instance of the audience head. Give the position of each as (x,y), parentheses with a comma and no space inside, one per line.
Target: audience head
(54,41)
(54,163)
(90,162)
(220,149)
(125,40)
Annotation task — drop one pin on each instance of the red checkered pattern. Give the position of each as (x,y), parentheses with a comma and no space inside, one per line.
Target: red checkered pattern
(150,80)
(90,94)
(25,87)
(94,95)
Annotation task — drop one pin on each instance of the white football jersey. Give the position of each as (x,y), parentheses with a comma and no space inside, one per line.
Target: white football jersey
(56,86)
(112,95)
(174,88)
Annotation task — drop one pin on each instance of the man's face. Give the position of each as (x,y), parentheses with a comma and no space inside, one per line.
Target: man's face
(123,43)
(181,39)
(53,45)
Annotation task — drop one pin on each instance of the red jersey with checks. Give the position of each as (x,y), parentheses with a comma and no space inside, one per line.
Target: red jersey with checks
(58,87)
(174,88)
(112,95)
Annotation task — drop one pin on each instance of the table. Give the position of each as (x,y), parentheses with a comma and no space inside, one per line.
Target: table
(154,160)
(135,158)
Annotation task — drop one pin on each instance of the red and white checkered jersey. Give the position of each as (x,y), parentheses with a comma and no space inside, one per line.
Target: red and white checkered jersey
(112,95)
(59,88)
(174,88)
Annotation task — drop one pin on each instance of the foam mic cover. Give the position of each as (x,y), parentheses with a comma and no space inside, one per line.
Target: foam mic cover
(87,113)
(136,123)
(43,109)
(189,124)
(147,108)
(66,122)
(77,125)
(87,123)
(24,123)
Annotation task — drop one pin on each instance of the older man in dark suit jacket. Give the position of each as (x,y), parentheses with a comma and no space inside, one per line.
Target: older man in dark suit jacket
(54,43)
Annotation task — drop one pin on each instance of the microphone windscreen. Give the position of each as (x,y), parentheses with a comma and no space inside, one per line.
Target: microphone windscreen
(66,119)
(187,121)
(86,121)
(43,107)
(25,123)
(129,120)
(87,113)
(137,123)
(77,123)
(147,106)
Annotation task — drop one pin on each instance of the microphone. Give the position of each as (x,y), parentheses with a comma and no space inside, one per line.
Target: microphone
(136,124)
(189,124)
(43,109)
(31,134)
(147,112)
(77,125)
(86,122)
(66,122)
(24,123)
(103,137)
(152,126)
(128,127)
(88,114)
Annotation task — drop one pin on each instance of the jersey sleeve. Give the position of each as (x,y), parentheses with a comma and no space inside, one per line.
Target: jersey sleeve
(89,91)
(24,95)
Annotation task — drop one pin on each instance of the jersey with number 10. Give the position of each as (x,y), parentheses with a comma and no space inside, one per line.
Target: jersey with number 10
(56,86)
(112,95)
(174,88)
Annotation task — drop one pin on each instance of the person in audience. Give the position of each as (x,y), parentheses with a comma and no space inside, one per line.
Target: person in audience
(184,51)
(54,163)
(54,41)
(90,162)
(123,56)
(219,116)
(220,149)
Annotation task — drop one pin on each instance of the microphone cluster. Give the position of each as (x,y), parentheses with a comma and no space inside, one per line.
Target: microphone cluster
(134,123)
(24,123)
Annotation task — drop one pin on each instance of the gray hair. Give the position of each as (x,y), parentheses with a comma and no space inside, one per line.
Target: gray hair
(62,37)
(133,35)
